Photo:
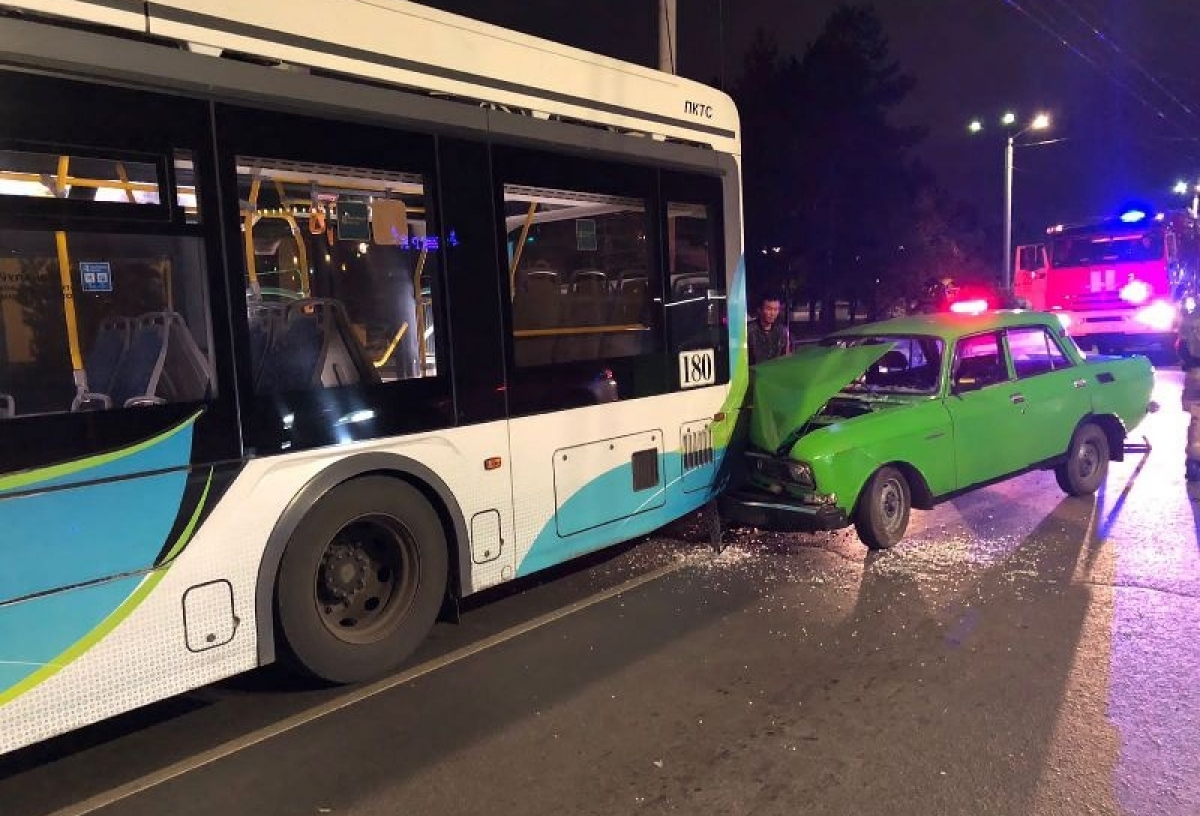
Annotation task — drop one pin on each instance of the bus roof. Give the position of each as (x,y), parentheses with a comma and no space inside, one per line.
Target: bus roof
(429,51)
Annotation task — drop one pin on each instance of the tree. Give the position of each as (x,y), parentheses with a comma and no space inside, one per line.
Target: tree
(861,180)
(764,95)
(828,178)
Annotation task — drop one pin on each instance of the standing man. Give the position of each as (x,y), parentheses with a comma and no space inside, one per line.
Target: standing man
(767,337)
(1189,356)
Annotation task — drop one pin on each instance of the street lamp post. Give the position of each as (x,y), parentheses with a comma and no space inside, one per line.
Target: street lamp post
(1183,188)
(1039,122)
(1006,275)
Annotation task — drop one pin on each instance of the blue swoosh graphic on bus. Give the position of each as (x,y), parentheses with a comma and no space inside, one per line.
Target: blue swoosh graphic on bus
(598,499)
(37,632)
(74,535)
(79,553)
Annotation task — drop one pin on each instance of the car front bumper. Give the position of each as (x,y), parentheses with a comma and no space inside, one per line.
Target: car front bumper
(766,511)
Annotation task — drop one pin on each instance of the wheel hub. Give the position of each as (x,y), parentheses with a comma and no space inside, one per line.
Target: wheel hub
(344,572)
(1088,460)
(890,504)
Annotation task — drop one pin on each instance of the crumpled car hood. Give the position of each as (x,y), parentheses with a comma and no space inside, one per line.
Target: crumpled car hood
(788,391)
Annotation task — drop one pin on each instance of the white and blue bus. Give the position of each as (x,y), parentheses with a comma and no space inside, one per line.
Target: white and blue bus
(318,315)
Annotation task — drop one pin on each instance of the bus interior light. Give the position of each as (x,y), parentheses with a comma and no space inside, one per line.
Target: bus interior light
(1133,216)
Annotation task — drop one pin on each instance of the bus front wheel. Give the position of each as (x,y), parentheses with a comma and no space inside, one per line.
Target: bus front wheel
(361,580)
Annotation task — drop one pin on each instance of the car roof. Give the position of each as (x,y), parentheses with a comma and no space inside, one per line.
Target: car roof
(950,326)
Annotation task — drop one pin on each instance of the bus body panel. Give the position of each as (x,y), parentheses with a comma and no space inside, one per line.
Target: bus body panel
(575,481)
(130,641)
(197,609)
(442,52)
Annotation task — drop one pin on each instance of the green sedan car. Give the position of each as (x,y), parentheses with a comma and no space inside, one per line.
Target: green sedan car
(878,419)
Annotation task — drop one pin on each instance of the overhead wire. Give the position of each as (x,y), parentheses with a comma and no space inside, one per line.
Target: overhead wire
(1049,24)
(1110,40)
(1051,31)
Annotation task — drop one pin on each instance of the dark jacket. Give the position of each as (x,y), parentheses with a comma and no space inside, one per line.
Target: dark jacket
(767,344)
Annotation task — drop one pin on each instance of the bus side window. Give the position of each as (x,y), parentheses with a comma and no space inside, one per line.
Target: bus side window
(339,266)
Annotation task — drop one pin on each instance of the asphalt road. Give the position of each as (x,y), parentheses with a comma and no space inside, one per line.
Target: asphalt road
(1019,653)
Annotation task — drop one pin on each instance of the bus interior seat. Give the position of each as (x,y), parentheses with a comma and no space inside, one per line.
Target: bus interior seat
(590,281)
(586,305)
(138,373)
(266,327)
(627,308)
(537,304)
(186,375)
(112,341)
(346,361)
(316,349)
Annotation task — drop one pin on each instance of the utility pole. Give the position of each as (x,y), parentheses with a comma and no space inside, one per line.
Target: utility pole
(668,34)
(1006,273)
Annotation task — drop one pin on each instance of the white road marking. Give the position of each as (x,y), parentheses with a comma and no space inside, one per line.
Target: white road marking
(227,749)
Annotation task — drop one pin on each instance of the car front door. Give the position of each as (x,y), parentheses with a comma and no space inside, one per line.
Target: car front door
(986,408)
(1055,391)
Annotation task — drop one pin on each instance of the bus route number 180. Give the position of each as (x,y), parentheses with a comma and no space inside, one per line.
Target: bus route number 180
(697,367)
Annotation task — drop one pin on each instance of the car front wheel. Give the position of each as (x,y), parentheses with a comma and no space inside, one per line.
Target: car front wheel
(883,509)
(1086,465)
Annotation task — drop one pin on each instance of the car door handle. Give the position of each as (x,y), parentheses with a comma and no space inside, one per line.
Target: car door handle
(1080,383)
(1017,399)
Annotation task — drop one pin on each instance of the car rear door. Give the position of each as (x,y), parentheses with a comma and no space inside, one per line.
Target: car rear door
(1055,391)
(986,408)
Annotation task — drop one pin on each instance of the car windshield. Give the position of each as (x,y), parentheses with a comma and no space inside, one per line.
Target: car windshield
(1094,249)
(913,366)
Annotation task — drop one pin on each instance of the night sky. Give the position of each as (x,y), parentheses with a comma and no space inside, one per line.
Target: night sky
(971,58)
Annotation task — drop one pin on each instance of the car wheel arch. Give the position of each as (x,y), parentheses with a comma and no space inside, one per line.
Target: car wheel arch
(1114,430)
(922,497)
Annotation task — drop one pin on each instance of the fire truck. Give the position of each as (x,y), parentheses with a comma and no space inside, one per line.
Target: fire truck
(1115,283)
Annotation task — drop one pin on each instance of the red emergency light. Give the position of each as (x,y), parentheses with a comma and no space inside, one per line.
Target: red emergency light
(971,307)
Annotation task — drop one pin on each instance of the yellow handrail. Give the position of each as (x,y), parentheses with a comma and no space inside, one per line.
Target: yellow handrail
(68,295)
(420,311)
(387,355)
(512,272)
(125,183)
(71,181)
(248,238)
(574,330)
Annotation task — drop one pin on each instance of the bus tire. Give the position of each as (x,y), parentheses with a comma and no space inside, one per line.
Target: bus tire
(361,580)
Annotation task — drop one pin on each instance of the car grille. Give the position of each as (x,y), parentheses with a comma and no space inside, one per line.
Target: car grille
(768,466)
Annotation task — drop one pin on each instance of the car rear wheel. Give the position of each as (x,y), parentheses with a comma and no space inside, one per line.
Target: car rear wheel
(361,580)
(883,509)
(1086,465)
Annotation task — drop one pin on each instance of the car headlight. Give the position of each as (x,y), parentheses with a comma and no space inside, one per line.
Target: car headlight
(801,473)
